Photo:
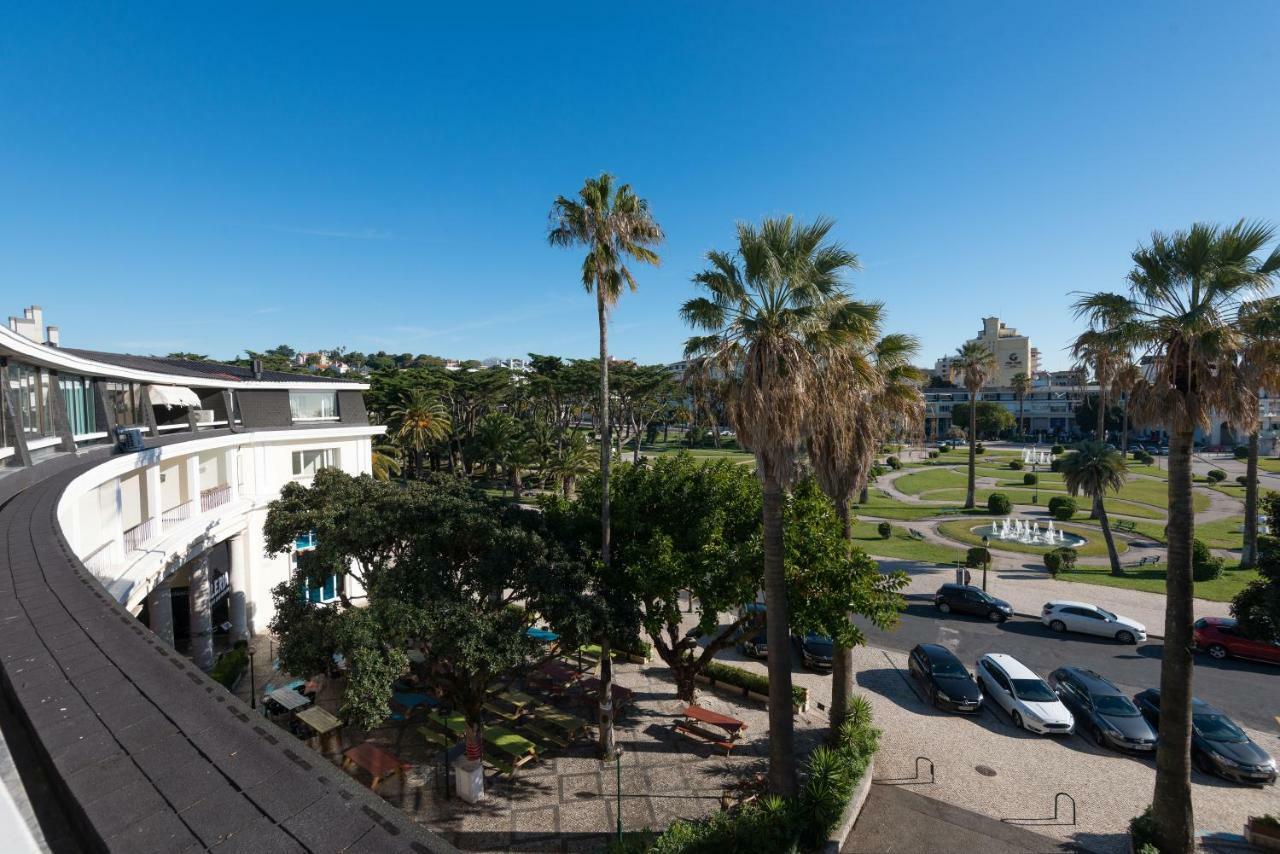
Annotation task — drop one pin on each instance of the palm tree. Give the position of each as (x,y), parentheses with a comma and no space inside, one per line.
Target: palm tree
(1184,292)
(419,423)
(614,224)
(1021,385)
(773,311)
(1094,469)
(386,461)
(1260,362)
(1100,347)
(500,444)
(1125,379)
(861,397)
(976,363)
(571,460)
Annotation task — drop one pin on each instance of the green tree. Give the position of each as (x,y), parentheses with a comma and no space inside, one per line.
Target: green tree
(420,422)
(613,224)
(1125,380)
(571,462)
(1257,607)
(991,420)
(1185,289)
(1094,469)
(1259,323)
(386,461)
(1021,385)
(976,364)
(772,311)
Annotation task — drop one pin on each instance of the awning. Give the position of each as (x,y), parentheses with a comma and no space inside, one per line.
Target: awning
(174,395)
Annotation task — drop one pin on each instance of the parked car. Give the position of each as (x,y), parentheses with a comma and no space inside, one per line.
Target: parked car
(815,650)
(755,645)
(1220,637)
(1102,710)
(1218,746)
(1030,702)
(1065,616)
(948,684)
(967,599)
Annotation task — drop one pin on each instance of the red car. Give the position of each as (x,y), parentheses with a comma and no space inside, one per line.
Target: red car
(1218,637)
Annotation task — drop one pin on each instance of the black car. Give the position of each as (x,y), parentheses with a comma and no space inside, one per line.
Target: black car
(949,685)
(815,650)
(1102,710)
(1218,746)
(967,599)
(755,645)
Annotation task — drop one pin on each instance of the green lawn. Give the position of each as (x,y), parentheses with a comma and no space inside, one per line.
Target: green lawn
(900,546)
(1271,464)
(1151,579)
(922,481)
(1023,495)
(959,529)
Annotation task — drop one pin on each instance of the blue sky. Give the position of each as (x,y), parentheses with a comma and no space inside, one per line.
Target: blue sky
(215,177)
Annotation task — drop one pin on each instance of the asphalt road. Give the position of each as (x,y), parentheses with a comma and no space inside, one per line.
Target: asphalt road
(1248,692)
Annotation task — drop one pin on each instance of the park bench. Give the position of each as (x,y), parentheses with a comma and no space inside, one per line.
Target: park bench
(915,535)
(693,730)
(1126,525)
(1149,559)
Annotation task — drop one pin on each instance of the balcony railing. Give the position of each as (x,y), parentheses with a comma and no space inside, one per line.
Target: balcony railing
(138,535)
(175,515)
(214,497)
(101,560)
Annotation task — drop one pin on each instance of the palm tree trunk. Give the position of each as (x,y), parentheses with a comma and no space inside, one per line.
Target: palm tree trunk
(1124,429)
(973,445)
(842,656)
(1249,555)
(606,671)
(1096,512)
(1109,538)
(1022,423)
(782,759)
(1171,802)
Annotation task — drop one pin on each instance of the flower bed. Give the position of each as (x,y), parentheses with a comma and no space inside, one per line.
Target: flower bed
(750,684)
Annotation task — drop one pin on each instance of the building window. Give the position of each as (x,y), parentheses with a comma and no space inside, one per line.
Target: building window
(32,386)
(322,593)
(77,394)
(313,405)
(125,402)
(307,463)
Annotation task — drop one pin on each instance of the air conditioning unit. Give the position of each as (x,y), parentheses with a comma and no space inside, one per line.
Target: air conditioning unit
(204,416)
(129,439)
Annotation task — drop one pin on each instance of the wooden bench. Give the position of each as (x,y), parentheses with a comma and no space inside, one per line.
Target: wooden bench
(1126,525)
(1149,559)
(915,535)
(704,735)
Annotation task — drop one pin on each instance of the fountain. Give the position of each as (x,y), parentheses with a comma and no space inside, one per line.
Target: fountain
(1029,533)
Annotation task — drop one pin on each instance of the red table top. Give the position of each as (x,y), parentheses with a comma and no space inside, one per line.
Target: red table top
(373,759)
(707,716)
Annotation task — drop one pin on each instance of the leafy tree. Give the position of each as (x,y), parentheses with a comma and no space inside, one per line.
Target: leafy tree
(1094,469)
(613,224)
(1184,291)
(976,364)
(1259,323)
(419,423)
(1257,606)
(772,312)
(386,461)
(1086,416)
(189,357)
(992,419)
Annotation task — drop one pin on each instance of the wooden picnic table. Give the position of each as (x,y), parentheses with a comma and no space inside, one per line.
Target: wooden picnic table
(288,699)
(379,763)
(518,699)
(733,726)
(569,724)
(519,748)
(324,724)
(621,696)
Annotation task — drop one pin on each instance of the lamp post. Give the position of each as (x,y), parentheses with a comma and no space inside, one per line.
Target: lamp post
(617,761)
(986,561)
(253,690)
(1035,470)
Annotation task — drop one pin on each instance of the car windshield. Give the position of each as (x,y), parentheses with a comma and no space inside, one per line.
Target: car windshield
(818,643)
(982,596)
(1218,728)
(1115,706)
(1033,691)
(949,668)
(1104,612)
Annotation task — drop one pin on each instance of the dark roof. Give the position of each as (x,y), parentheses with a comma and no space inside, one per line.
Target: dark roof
(1094,681)
(196,370)
(936,651)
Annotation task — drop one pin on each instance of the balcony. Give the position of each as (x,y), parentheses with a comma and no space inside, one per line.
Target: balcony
(175,516)
(138,536)
(214,497)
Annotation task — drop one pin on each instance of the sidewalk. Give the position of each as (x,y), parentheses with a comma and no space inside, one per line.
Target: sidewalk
(1027,588)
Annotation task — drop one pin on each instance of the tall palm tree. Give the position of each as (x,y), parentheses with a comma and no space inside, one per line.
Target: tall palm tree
(861,398)
(571,460)
(613,224)
(1185,289)
(386,461)
(1260,362)
(773,310)
(976,363)
(1124,381)
(1100,347)
(420,422)
(1021,385)
(1095,469)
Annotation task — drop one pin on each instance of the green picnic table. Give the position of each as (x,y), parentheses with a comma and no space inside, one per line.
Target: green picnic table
(519,748)
(519,699)
(569,724)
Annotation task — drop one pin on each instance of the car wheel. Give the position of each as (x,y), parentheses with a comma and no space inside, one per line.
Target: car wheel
(1017,720)
(1126,637)
(995,617)
(944,607)
(1058,626)
(1218,651)
(1098,738)
(933,697)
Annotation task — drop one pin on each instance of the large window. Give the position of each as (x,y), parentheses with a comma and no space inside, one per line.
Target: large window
(307,463)
(313,405)
(326,592)
(125,401)
(32,386)
(77,394)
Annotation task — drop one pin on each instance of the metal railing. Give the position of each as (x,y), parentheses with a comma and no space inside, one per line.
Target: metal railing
(138,535)
(214,497)
(175,515)
(101,560)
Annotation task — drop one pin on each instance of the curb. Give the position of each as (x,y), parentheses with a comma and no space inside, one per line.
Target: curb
(849,817)
(1150,635)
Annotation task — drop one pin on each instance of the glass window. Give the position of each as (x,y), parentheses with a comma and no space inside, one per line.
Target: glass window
(1033,691)
(307,463)
(123,399)
(32,386)
(77,394)
(313,405)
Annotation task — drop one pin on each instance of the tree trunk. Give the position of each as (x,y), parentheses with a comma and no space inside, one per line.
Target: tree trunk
(1175,824)
(686,685)
(1124,429)
(474,741)
(973,449)
(666,429)
(782,758)
(1249,555)
(606,667)
(516,484)
(1022,428)
(1116,569)
(841,655)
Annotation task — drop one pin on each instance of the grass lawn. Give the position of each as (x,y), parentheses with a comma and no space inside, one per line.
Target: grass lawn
(1023,495)
(1271,464)
(1151,579)
(958,529)
(900,546)
(1157,494)
(921,481)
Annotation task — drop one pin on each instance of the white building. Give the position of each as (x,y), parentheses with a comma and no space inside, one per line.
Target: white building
(1014,353)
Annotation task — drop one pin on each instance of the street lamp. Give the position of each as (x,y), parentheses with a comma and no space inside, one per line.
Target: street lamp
(986,561)
(253,691)
(617,760)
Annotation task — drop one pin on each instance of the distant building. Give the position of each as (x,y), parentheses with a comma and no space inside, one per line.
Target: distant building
(1014,353)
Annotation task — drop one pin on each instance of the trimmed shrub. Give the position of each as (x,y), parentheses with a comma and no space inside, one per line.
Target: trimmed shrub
(1016,465)
(755,682)
(1062,507)
(945,449)
(979,448)
(1142,832)
(1143,457)
(1055,464)
(1240,452)
(893,463)
(933,455)
(1053,563)
(1056,449)
(1216,475)
(1205,566)
(1030,479)
(1242,479)
(977,556)
(998,504)
(884,529)
(1067,555)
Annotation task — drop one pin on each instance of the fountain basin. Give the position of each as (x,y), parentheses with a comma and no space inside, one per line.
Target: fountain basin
(1026,536)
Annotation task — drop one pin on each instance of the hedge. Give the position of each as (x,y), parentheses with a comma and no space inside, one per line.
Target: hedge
(893,463)
(1062,507)
(1015,465)
(1030,479)
(884,529)
(998,504)
(230,665)
(754,682)
(1216,475)
(1240,452)
(1205,566)
(1056,449)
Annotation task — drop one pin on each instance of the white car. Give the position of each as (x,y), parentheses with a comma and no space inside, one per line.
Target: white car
(1028,699)
(1089,619)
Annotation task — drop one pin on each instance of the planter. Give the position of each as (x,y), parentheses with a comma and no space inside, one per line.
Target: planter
(738,691)
(1264,836)
(835,842)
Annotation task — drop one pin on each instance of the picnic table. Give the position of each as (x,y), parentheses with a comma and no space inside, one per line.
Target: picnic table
(621,696)
(566,723)
(542,635)
(518,699)
(321,722)
(288,699)
(693,718)
(379,763)
(405,702)
(517,747)
(732,726)
(555,675)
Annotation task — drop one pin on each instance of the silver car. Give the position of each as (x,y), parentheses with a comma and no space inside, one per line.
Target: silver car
(1063,616)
